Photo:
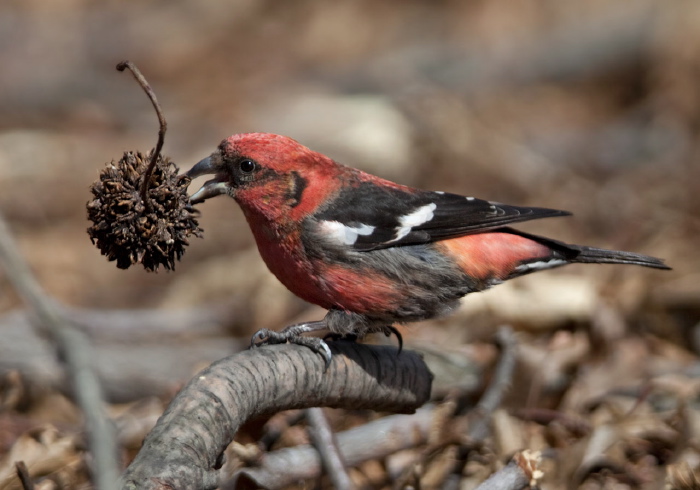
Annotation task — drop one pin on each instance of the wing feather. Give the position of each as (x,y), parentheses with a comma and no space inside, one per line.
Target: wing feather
(398,217)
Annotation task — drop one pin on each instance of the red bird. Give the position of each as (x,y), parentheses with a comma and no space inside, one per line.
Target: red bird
(372,252)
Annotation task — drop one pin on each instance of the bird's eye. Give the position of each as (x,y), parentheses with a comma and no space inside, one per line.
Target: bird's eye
(247,166)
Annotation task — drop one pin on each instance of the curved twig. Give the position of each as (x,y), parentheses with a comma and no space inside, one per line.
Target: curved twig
(163,126)
(185,448)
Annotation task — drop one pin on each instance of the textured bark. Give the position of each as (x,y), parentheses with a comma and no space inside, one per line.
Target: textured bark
(185,448)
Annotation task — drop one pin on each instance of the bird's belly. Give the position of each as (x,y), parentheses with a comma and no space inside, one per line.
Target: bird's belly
(334,286)
(397,285)
(402,285)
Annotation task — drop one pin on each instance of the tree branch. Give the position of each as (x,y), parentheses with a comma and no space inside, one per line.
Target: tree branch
(74,350)
(185,449)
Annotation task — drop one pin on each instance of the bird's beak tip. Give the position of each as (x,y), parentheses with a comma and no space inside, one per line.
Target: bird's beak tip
(211,188)
(203,167)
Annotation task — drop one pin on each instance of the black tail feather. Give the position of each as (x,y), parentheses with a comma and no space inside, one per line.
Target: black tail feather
(591,255)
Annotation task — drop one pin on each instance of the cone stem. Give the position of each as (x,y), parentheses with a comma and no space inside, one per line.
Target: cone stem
(161,131)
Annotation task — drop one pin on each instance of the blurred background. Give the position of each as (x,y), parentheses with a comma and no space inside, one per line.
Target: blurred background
(587,106)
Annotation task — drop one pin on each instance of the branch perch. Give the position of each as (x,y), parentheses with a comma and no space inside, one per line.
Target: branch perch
(185,448)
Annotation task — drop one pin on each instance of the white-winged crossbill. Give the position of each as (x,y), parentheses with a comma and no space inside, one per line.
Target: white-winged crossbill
(372,252)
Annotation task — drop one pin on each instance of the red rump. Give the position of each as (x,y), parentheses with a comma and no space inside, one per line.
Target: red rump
(492,255)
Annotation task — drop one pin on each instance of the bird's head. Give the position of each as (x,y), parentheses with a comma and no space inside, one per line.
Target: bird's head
(266,173)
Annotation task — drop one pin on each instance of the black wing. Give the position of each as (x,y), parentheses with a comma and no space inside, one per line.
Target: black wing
(370,217)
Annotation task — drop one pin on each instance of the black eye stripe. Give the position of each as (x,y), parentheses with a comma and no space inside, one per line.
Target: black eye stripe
(296,190)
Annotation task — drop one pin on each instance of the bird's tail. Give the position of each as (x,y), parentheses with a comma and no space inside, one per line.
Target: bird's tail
(592,255)
(564,253)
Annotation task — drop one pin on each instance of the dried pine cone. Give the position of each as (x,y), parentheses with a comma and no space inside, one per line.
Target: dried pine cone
(125,230)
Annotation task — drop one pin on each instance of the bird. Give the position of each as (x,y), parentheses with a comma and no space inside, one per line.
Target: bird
(372,252)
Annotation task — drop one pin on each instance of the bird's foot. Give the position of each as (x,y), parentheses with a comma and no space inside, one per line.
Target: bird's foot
(293,335)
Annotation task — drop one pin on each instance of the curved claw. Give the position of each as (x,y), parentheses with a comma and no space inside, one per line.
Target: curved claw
(257,337)
(325,352)
(261,337)
(392,329)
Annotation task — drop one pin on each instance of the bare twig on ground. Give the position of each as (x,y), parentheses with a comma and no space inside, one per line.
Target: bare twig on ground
(327,447)
(374,440)
(574,423)
(276,426)
(437,464)
(23,475)
(443,432)
(185,449)
(133,362)
(502,377)
(520,472)
(74,349)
